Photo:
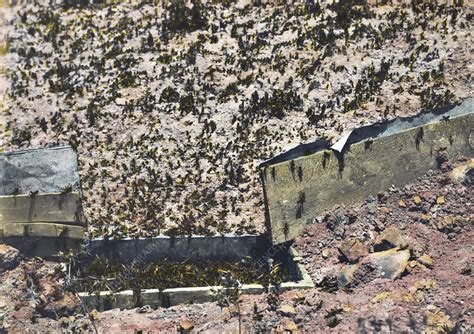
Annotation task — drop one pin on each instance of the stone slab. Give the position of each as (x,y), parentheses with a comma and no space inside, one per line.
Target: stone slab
(43,170)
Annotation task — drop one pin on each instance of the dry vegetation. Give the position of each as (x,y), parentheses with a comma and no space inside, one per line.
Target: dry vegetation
(171,106)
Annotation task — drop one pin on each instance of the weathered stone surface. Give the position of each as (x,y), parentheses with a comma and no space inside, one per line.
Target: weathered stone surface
(44,170)
(287,310)
(298,190)
(462,172)
(353,249)
(346,275)
(8,257)
(186,325)
(390,238)
(426,260)
(391,263)
(326,253)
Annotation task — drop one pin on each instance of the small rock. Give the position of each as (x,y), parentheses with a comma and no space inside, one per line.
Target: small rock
(287,310)
(390,238)
(402,204)
(346,275)
(186,325)
(417,199)
(385,210)
(425,218)
(94,314)
(144,309)
(463,172)
(292,327)
(353,249)
(440,200)
(8,257)
(391,263)
(426,260)
(381,296)
(326,253)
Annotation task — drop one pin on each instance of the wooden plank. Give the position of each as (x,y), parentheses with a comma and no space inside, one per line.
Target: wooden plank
(55,207)
(41,229)
(300,190)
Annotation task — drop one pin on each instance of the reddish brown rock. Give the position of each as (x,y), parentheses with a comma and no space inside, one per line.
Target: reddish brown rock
(8,257)
(353,250)
(390,238)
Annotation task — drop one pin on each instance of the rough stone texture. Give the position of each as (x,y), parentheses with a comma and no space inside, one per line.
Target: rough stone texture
(346,275)
(299,190)
(287,310)
(8,257)
(391,237)
(426,260)
(391,263)
(46,170)
(353,250)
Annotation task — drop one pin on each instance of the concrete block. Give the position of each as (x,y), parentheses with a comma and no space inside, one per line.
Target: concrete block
(186,295)
(150,297)
(194,295)
(106,300)
(298,187)
(40,194)
(142,250)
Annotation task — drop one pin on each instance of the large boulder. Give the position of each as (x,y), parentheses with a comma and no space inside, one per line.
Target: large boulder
(391,263)
(390,238)
(8,257)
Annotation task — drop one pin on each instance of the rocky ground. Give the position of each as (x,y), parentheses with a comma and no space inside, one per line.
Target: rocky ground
(171,107)
(401,261)
(171,110)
